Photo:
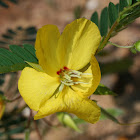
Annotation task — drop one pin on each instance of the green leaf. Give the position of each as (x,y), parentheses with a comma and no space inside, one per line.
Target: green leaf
(14,60)
(113,14)
(25,55)
(30,48)
(35,66)
(5,61)
(67,120)
(127,16)
(103,90)
(117,7)
(11,56)
(104,22)
(129,2)
(110,113)
(94,18)
(123,3)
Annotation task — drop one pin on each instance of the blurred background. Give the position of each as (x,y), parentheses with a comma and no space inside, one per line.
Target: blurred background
(19,21)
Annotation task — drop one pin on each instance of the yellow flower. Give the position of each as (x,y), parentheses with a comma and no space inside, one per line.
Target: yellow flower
(60,83)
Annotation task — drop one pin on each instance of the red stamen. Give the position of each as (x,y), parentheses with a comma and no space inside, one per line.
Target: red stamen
(58,72)
(61,70)
(65,68)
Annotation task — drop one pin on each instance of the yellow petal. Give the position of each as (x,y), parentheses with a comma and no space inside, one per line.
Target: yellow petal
(34,86)
(69,101)
(45,45)
(93,80)
(78,42)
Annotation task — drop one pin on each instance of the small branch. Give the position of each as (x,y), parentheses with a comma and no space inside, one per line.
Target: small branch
(105,41)
(118,45)
(29,119)
(16,98)
(49,123)
(37,130)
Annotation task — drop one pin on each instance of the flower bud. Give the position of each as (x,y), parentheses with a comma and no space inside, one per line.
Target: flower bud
(137,45)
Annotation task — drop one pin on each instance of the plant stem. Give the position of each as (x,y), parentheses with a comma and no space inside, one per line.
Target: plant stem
(49,123)
(105,41)
(37,130)
(118,45)
(7,100)
(27,134)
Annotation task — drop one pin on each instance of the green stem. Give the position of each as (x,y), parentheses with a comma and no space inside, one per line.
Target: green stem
(105,41)
(37,131)
(118,45)
(27,134)
(109,116)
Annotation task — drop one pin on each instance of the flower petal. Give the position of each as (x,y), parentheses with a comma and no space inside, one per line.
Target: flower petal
(69,101)
(34,86)
(78,42)
(45,45)
(93,80)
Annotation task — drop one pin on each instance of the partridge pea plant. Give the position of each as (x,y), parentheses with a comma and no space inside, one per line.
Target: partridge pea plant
(61,72)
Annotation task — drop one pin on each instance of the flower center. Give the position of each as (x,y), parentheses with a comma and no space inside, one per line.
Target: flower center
(70,77)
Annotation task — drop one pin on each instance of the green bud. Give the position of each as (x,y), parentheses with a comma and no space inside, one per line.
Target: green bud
(137,45)
(133,50)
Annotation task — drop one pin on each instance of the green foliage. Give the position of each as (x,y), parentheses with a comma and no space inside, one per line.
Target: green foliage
(67,120)
(127,16)
(104,22)
(123,3)
(123,13)
(113,14)
(110,113)
(14,59)
(94,18)
(4,4)
(129,2)
(103,90)
(136,47)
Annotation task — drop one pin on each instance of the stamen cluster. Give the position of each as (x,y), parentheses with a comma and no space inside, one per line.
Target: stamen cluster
(69,77)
